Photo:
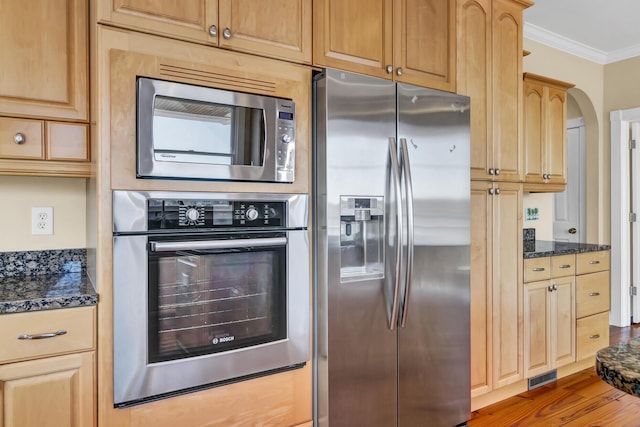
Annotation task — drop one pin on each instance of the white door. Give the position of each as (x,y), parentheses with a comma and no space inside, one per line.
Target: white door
(569,206)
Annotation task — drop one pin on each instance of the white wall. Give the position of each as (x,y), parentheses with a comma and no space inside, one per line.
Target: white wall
(65,195)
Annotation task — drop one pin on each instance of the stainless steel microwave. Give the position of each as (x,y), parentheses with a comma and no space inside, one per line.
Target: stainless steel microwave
(194,132)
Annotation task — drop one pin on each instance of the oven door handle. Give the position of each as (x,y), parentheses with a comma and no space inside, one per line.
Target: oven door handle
(216,244)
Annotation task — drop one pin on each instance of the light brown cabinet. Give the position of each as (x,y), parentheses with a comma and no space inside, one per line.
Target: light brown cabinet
(496,286)
(549,313)
(411,41)
(44,105)
(489,70)
(592,303)
(279,30)
(48,381)
(545,118)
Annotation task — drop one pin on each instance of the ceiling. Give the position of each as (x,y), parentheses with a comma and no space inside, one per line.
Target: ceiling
(602,31)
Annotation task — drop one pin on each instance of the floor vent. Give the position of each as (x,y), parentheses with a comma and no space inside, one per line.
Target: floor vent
(543,379)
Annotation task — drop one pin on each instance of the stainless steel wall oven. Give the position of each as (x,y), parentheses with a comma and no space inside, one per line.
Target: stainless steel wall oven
(208,288)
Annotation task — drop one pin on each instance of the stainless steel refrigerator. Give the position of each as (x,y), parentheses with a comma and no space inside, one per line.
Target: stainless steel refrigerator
(391,253)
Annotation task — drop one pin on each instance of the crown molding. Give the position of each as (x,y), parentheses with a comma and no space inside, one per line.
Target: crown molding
(540,35)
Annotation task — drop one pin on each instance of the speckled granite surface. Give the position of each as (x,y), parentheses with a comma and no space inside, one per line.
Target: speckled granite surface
(619,365)
(44,280)
(544,248)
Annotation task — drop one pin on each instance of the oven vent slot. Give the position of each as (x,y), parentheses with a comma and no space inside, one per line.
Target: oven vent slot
(217,79)
(543,379)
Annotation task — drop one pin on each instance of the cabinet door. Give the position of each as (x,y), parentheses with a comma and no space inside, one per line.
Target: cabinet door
(424,43)
(474,79)
(354,35)
(185,19)
(507,285)
(537,327)
(278,29)
(50,392)
(534,136)
(507,89)
(481,289)
(44,59)
(556,128)
(563,334)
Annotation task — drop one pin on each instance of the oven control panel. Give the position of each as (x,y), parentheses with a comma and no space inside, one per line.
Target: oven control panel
(173,214)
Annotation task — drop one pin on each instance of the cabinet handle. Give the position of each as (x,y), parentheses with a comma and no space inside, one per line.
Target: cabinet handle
(565,266)
(594,294)
(594,262)
(226,33)
(399,71)
(42,336)
(389,69)
(19,138)
(213,31)
(538,269)
(594,337)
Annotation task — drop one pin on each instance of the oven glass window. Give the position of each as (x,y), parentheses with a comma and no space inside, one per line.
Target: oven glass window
(207,132)
(203,303)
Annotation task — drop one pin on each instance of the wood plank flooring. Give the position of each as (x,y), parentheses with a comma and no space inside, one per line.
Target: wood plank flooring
(581,399)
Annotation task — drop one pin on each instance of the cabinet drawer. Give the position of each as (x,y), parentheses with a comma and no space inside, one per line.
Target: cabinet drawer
(592,293)
(79,324)
(536,269)
(30,132)
(563,265)
(592,334)
(589,262)
(67,141)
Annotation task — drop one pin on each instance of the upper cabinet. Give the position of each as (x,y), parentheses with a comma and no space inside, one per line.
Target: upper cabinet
(44,59)
(411,41)
(489,56)
(279,30)
(545,118)
(44,102)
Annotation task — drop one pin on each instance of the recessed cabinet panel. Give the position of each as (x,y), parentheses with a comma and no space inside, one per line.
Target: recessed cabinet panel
(67,141)
(44,59)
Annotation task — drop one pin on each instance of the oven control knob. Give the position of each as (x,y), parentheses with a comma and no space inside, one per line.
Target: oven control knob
(252,214)
(192,214)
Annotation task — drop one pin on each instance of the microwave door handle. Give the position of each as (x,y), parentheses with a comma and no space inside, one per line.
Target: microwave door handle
(394,176)
(406,171)
(195,245)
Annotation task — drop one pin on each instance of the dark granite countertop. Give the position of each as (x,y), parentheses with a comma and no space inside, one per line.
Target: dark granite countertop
(619,365)
(544,248)
(44,280)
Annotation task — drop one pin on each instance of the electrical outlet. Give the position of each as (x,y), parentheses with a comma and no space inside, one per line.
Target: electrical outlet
(42,220)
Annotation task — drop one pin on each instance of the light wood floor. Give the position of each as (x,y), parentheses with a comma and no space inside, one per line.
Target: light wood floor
(581,399)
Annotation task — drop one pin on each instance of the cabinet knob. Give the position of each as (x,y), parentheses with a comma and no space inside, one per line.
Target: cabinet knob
(572,230)
(498,191)
(492,191)
(213,31)
(550,288)
(226,33)
(399,71)
(19,138)
(498,171)
(555,287)
(492,171)
(389,69)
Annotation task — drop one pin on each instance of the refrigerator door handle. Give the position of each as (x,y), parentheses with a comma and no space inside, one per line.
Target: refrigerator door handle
(394,178)
(406,171)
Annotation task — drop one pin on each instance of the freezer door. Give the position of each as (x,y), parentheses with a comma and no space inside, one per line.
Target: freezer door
(433,350)
(355,251)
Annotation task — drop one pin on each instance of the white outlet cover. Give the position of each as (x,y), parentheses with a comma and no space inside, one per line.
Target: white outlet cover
(42,220)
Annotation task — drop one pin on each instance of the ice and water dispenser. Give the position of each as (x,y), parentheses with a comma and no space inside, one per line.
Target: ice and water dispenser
(361,238)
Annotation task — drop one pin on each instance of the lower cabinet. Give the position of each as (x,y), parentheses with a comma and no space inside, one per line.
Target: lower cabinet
(47,368)
(50,392)
(549,316)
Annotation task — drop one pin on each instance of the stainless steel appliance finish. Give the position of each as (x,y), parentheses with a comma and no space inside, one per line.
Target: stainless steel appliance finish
(217,296)
(194,132)
(391,254)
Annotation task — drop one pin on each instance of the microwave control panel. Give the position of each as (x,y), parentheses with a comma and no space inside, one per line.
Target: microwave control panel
(175,214)
(285,141)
